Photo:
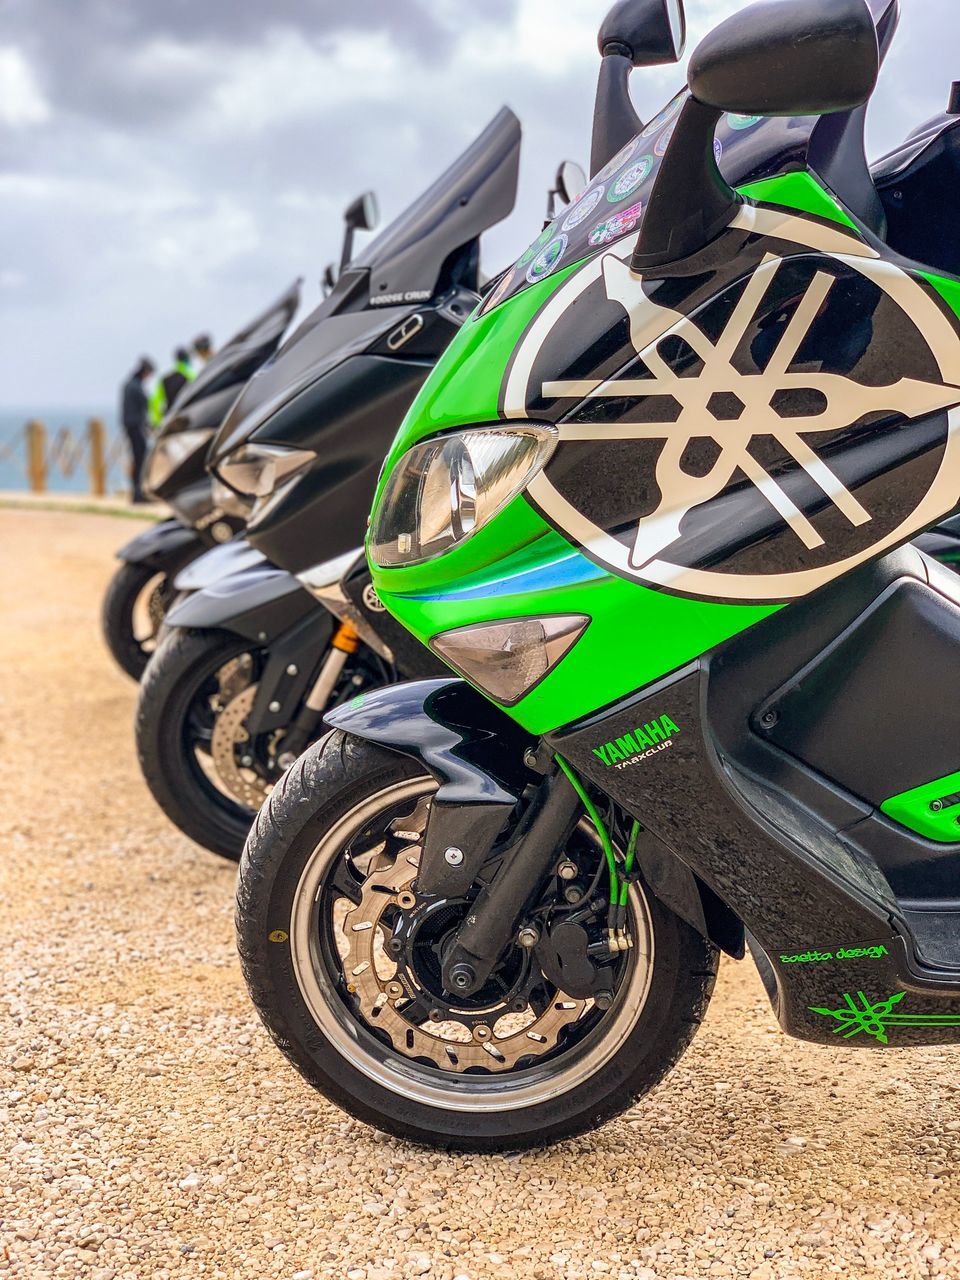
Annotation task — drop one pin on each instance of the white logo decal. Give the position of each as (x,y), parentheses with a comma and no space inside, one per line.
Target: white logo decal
(372,600)
(731,408)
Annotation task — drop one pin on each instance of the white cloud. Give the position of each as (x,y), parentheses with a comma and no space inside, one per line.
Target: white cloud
(21,100)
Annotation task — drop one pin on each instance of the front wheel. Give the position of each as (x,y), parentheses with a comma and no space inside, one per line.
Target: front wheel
(133,608)
(342,960)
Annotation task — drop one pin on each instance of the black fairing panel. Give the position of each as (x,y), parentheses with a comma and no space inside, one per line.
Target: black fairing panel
(874,710)
(414,660)
(349,419)
(205,414)
(918,186)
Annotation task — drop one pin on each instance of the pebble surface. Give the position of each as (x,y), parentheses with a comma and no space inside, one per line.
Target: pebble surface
(150,1130)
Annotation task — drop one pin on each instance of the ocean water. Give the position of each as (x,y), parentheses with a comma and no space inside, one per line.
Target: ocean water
(13,454)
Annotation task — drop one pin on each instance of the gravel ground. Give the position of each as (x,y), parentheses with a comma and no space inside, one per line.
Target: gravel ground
(150,1130)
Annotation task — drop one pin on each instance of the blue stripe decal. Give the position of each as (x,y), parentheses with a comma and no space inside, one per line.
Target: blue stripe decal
(569,571)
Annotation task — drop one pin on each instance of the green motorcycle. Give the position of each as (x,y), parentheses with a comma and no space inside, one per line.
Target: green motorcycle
(654,507)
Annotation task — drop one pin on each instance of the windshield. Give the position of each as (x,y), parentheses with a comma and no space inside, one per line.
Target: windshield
(612,205)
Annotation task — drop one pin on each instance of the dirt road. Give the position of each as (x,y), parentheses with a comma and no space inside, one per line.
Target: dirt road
(151,1130)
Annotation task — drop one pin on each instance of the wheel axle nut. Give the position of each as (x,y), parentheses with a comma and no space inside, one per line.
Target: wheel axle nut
(528,937)
(453,856)
(567,870)
(462,975)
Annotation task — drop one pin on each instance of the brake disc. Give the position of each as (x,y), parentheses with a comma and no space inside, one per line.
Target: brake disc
(244,783)
(495,1042)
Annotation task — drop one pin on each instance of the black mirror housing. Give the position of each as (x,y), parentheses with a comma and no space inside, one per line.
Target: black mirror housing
(635,33)
(362,214)
(648,32)
(788,58)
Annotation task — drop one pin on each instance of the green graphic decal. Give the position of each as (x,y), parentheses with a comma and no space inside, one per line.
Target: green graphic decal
(645,740)
(845,953)
(875,1019)
(932,810)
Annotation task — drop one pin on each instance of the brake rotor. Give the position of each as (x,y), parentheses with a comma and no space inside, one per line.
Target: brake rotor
(455,1043)
(243,782)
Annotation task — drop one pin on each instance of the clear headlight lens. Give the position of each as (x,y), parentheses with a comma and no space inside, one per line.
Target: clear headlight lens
(506,659)
(228,500)
(442,491)
(171,452)
(256,470)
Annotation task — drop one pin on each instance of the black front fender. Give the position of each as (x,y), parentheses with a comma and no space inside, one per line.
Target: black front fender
(473,749)
(164,546)
(259,603)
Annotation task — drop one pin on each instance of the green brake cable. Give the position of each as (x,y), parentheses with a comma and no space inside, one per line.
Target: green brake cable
(628,862)
(597,821)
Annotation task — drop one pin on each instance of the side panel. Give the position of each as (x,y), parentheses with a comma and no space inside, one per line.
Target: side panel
(166,544)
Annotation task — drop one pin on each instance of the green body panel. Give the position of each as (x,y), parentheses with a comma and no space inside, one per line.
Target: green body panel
(797,191)
(948,289)
(518,566)
(914,809)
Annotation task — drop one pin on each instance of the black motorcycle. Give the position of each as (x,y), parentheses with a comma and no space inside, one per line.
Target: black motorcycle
(240,684)
(205,513)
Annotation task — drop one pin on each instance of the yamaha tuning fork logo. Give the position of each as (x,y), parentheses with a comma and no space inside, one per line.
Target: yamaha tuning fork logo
(746,438)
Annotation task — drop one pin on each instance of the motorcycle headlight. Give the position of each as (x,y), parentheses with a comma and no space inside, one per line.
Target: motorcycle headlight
(443,490)
(171,452)
(257,470)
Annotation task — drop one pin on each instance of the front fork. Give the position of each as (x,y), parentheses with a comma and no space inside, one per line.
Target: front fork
(544,829)
(305,723)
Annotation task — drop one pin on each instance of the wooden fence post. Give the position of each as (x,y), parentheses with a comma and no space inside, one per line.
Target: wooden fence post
(37,456)
(98,462)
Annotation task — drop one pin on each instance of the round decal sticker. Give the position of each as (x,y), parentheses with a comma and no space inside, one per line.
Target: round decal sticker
(546,260)
(631,178)
(660,147)
(743,122)
(617,225)
(718,452)
(529,254)
(618,161)
(717,150)
(667,114)
(582,208)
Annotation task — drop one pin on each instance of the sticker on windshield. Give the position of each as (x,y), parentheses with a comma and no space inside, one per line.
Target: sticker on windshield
(663,117)
(537,245)
(582,209)
(660,147)
(743,122)
(618,225)
(717,150)
(618,161)
(631,178)
(546,260)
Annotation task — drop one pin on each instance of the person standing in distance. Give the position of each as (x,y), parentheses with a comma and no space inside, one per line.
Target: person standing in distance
(134,408)
(169,386)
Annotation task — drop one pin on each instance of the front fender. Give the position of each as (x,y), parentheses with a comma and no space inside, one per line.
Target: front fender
(219,562)
(164,546)
(259,603)
(473,749)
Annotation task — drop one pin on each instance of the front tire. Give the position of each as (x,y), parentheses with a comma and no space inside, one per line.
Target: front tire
(132,613)
(175,723)
(306,839)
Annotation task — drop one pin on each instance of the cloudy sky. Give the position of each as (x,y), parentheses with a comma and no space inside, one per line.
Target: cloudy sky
(167,167)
